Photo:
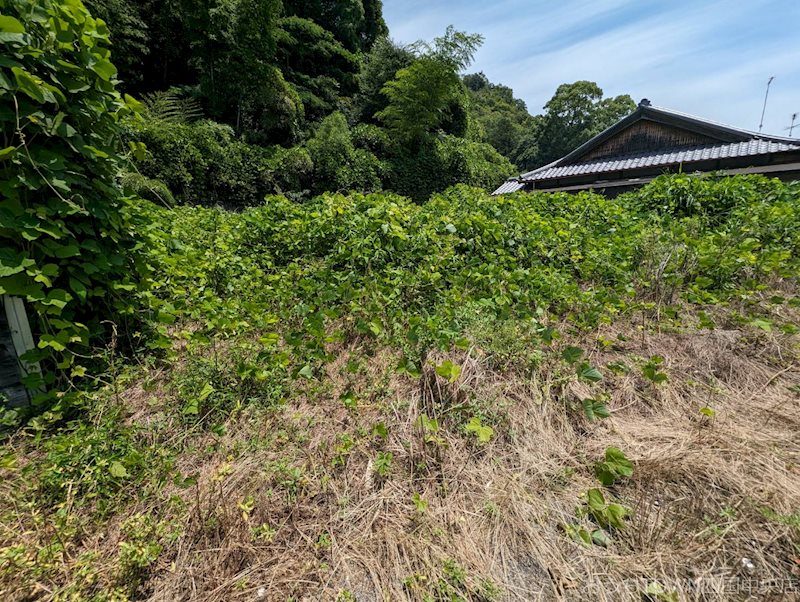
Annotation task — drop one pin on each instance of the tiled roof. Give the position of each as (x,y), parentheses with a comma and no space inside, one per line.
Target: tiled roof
(657,158)
(509,186)
(730,143)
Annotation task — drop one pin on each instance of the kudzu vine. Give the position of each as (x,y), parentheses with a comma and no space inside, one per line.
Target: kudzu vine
(68,244)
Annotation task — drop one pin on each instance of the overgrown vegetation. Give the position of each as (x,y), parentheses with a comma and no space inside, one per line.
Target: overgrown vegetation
(68,245)
(368,396)
(315,358)
(277,89)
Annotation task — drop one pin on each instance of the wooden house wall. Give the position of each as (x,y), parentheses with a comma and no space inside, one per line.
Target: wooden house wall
(646,135)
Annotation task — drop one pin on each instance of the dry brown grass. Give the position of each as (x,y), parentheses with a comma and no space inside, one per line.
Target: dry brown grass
(698,494)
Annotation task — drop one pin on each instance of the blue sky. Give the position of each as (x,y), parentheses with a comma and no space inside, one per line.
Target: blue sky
(707,58)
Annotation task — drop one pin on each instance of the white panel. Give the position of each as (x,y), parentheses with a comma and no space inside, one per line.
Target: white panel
(20,331)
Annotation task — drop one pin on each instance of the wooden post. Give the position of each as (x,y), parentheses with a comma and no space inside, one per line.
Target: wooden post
(15,340)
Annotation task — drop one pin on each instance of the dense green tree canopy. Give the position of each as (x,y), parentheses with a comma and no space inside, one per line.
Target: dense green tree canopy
(503,121)
(575,113)
(319,67)
(274,71)
(429,95)
(378,68)
(354,23)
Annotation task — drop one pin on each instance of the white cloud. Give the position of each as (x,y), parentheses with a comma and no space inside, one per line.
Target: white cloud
(708,58)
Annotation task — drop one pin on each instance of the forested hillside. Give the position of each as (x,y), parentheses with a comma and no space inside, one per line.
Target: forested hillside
(251,97)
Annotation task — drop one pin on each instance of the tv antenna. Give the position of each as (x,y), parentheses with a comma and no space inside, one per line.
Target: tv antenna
(791,127)
(764,110)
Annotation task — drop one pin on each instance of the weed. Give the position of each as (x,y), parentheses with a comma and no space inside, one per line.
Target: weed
(420,503)
(483,434)
(651,370)
(383,463)
(615,466)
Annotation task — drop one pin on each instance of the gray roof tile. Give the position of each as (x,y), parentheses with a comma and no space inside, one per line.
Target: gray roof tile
(733,143)
(509,186)
(659,158)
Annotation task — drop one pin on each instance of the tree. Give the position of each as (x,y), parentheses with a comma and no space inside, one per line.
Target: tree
(234,45)
(354,23)
(455,48)
(151,43)
(374,27)
(419,98)
(338,165)
(503,121)
(476,81)
(574,114)
(378,67)
(429,95)
(319,67)
(129,35)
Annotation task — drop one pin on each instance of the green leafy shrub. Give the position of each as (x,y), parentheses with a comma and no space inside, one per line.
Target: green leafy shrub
(204,163)
(682,195)
(338,164)
(67,236)
(382,266)
(137,185)
(444,161)
(722,237)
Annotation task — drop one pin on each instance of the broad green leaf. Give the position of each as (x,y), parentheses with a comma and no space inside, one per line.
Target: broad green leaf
(78,288)
(616,465)
(65,251)
(595,409)
(764,325)
(600,538)
(449,370)
(29,84)
(348,399)
(588,373)
(407,366)
(306,372)
(622,465)
(269,339)
(57,298)
(572,354)
(7,152)
(48,340)
(12,263)
(192,407)
(482,432)
(117,470)
(105,69)
(579,534)
(379,430)
(616,514)
(11,25)
(595,500)
(11,31)
(428,424)
(376,327)
(134,105)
